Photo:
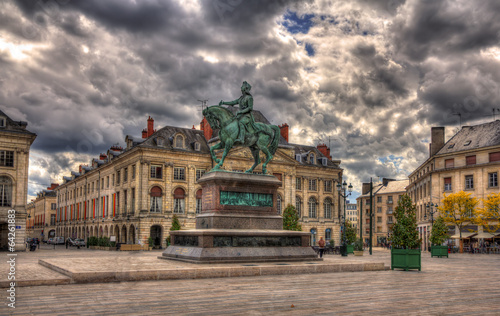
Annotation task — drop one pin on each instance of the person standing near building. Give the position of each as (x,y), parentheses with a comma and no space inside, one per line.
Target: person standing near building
(321,244)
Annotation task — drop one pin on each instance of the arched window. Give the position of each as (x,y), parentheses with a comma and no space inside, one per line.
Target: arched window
(5,191)
(155,200)
(312,207)
(327,205)
(278,204)
(313,237)
(179,196)
(179,141)
(328,234)
(199,194)
(298,205)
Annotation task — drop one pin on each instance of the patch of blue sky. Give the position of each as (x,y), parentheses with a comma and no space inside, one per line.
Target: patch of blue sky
(395,160)
(297,24)
(310,49)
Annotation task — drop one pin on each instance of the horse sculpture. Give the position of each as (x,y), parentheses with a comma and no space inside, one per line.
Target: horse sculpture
(266,138)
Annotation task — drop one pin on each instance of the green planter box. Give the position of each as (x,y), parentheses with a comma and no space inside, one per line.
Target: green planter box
(407,259)
(350,249)
(439,251)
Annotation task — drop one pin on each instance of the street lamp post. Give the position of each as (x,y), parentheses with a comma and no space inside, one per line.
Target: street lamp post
(430,209)
(342,191)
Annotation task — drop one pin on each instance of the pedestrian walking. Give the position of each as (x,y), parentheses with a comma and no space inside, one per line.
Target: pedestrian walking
(321,244)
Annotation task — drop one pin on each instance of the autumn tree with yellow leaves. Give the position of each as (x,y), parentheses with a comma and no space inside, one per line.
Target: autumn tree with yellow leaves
(459,209)
(489,214)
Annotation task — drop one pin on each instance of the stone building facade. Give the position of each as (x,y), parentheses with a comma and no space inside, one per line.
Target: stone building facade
(469,161)
(41,215)
(352,213)
(386,195)
(15,143)
(132,193)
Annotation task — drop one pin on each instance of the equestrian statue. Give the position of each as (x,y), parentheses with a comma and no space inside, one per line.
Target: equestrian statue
(242,130)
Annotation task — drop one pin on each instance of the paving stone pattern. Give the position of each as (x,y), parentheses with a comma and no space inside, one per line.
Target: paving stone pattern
(463,284)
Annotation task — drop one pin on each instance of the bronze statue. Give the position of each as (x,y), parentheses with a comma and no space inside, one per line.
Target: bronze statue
(242,130)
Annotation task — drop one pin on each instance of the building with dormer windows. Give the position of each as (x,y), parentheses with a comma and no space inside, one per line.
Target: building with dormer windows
(132,193)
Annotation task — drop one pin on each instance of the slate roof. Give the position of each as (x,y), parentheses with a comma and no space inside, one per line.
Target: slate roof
(306,150)
(394,186)
(473,137)
(14,126)
(168,133)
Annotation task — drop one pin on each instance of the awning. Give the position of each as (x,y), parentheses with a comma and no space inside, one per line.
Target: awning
(484,235)
(464,235)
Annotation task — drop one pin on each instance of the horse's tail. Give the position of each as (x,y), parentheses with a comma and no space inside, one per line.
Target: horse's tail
(276,139)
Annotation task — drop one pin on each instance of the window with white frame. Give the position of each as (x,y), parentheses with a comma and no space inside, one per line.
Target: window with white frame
(179,141)
(327,205)
(199,173)
(179,197)
(312,208)
(5,191)
(298,205)
(125,175)
(328,185)
(6,158)
(493,179)
(298,183)
(313,184)
(198,201)
(469,182)
(155,205)
(179,173)
(156,171)
(447,184)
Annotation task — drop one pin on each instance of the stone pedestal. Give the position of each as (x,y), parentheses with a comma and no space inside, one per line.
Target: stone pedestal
(239,223)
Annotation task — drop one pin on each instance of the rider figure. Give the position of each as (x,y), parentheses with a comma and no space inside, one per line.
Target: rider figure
(244,115)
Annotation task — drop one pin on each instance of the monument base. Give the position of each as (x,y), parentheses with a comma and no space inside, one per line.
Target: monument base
(233,245)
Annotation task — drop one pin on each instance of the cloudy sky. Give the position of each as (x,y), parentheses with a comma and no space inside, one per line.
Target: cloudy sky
(369,77)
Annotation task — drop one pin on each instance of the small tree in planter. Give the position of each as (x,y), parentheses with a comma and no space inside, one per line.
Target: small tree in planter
(150,242)
(176,225)
(405,252)
(291,219)
(439,234)
(350,235)
(358,247)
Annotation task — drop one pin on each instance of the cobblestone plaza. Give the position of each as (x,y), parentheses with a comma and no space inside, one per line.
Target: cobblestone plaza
(462,284)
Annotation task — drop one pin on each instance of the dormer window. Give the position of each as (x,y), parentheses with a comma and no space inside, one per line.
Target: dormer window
(179,141)
(160,141)
(467,143)
(451,146)
(312,159)
(197,146)
(2,121)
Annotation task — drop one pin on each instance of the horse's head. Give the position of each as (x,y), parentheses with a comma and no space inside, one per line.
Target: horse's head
(217,115)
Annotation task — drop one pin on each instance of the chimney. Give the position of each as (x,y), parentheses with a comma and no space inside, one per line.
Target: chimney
(324,150)
(80,169)
(207,130)
(116,148)
(53,186)
(102,156)
(144,133)
(365,188)
(151,124)
(437,140)
(284,131)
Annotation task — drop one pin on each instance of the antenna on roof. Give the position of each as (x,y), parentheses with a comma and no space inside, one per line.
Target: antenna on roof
(494,113)
(459,118)
(203,104)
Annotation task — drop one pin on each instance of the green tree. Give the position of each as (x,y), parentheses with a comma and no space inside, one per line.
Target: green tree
(176,225)
(459,209)
(404,231)
(350,233)
(291,219)
(439,232)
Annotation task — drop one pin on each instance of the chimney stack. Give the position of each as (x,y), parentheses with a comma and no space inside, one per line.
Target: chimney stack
(437,140)
(284,131)
(151,124)
(53,186)
(365,188)
(103,156)
(207,130)
(324,150)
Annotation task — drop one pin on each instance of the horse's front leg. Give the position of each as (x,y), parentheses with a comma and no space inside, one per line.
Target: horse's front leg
(256,158)
(224,154)
(212,151)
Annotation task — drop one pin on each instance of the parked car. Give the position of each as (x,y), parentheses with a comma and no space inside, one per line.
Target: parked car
(59,240)
(80,242)
(50,241)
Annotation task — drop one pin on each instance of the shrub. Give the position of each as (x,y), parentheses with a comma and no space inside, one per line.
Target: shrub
(176,225)
(405,233)
(291,219)
(439,232)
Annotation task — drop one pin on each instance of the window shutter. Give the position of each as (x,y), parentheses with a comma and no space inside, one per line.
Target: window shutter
(179,193)
(156,192)
(449,163)
(199,194)
(470,160)
(447,180)
(494,157)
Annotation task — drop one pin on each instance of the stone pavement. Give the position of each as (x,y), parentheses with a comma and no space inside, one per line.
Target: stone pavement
(62,266)
(463,284)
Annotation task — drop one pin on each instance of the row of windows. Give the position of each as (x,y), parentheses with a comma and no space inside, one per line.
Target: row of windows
(313,184)
(312,205)
(469,182)
(471,160)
